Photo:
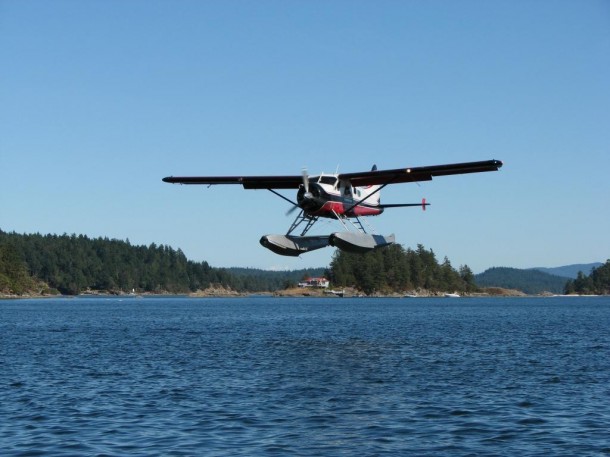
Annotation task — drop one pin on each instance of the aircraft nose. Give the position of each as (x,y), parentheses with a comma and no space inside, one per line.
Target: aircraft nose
(309,200)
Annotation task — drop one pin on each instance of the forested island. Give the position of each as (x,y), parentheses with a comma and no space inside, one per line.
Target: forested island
(597,283)
(394,269)
(35,264)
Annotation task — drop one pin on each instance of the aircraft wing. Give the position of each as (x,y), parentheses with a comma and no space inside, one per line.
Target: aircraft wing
(365,178)
(249,182)
(401,175)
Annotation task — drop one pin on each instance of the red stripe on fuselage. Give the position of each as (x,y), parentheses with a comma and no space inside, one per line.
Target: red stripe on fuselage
(366,211)
(330,208)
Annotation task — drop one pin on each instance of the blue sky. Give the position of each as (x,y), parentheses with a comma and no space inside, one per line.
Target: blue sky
(99,100)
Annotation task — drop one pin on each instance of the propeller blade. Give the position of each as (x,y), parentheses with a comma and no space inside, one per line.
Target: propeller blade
(305,180)
(306,195)
(291,210)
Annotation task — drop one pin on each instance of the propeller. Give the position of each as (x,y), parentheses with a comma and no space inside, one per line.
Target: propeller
(307,194)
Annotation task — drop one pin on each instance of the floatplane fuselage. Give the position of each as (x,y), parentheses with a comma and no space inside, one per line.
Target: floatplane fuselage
(345,197)
(327,196)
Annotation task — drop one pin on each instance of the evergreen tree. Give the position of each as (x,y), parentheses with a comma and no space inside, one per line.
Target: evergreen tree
(601,279)
(392,269)
(468,278)
(598,282)
(14,277)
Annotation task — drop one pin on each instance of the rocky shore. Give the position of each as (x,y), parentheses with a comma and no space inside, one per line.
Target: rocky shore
(224,292)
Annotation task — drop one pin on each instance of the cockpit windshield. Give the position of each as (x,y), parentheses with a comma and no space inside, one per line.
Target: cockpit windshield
(332,180)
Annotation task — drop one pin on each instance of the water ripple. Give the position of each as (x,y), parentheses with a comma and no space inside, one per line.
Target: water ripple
(304,377)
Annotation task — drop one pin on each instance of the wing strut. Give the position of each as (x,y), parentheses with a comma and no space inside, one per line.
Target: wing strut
(371,194)
(281,196)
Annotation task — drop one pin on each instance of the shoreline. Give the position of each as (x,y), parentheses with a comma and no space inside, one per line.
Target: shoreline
(221,292)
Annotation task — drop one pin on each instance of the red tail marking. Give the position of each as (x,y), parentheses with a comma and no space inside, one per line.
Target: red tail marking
(423,204)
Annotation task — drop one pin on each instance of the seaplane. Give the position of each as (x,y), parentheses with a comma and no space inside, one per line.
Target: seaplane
(344,197)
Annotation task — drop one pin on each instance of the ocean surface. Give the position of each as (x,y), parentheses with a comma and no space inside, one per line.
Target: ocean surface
(305,377)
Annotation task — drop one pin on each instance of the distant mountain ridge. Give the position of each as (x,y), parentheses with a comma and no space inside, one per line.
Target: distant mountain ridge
(570,271)
(255,278)
(529,281)
(533,280)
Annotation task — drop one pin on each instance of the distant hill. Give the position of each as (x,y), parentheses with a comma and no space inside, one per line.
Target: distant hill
(570,271)
(256,279)
(530,281)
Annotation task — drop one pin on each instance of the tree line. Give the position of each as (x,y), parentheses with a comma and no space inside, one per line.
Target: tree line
(396,269)
(74,263)
(71,264)
(597,283)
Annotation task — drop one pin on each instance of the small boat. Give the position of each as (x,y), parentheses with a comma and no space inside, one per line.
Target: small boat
(410,296)
(452,295)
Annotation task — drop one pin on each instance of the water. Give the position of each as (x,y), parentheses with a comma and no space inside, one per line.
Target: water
(305,377)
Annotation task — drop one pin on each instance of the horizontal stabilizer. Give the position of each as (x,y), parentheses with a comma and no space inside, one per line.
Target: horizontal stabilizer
(423,204)
(403,205)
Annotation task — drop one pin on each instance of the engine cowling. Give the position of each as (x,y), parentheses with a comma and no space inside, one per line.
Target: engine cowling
(312,200)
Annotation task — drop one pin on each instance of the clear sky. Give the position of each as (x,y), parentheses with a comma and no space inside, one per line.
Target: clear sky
(99,100)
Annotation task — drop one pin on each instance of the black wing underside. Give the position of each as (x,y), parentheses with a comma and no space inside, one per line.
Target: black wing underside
(249,182)
(402,175)
(366,178)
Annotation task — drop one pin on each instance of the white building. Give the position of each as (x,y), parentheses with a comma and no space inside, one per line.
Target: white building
(321,283)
